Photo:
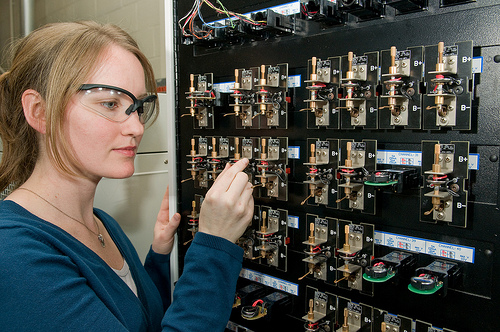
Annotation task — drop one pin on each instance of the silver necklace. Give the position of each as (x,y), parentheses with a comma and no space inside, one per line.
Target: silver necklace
(98,234)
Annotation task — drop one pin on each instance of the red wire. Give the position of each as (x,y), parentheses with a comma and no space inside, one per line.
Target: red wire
(258,301)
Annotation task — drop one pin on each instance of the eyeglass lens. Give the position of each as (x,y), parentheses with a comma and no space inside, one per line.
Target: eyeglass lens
(115,105)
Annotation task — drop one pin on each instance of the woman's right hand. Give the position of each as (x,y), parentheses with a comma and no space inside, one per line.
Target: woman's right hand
(228,208)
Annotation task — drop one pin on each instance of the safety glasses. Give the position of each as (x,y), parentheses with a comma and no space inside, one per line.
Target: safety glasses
(116,104)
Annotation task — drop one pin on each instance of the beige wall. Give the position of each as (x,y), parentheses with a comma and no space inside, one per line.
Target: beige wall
(143,19)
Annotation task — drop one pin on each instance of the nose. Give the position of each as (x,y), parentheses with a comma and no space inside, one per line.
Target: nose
(133,126)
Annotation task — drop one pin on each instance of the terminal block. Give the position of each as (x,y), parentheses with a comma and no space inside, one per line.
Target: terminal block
(274,24)
(448,70)
(358,91)
(218,155)
(272,237)
(427,327)
(199,162)
(353,317)
(194,217)
(324,11)
(246,295)
(323,162)
(320,243)
(269,307)
(270,168)
(359,161)
(389,266)
(386,322)
(244,98)
(397,179)
(401,102)
(201,98)
(322,309)
(363,9)
(407,6)
(435,277)
(322,93)
(445,170)
(271,93)
(355,252)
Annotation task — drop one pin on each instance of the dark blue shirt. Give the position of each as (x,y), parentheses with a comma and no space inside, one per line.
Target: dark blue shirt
(49,281)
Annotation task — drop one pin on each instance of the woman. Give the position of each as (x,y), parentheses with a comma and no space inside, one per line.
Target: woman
(72,110)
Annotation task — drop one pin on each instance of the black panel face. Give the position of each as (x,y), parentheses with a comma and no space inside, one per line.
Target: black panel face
(372,133)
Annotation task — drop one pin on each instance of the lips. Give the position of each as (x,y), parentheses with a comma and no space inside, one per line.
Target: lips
(128,151)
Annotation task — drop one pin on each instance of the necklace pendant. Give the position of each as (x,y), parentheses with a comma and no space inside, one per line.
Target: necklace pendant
(101,239)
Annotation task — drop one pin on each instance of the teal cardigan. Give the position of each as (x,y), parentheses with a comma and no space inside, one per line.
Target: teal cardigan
(49,281)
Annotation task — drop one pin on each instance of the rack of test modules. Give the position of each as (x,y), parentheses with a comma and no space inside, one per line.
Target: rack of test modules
(372,132)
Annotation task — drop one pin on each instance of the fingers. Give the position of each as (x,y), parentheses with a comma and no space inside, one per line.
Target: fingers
(239,185)
(164,212)
(225,178)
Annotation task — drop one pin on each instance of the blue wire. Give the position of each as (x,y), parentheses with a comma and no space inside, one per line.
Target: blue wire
(205,23)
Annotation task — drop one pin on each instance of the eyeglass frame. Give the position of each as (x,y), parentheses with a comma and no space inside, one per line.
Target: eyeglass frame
(138,103)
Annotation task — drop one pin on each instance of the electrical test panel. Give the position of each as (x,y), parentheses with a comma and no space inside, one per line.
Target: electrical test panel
(372,130)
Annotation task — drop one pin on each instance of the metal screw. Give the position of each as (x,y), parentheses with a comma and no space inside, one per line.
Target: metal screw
(440,216)
(397,120)
(447,159)
(443,120)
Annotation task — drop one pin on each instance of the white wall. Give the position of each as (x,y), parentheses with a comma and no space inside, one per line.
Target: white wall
(143,19)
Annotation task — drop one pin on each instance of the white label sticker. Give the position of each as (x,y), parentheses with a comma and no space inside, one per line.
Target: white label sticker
(294,152)
(434,248)
(293,222)
(270,281)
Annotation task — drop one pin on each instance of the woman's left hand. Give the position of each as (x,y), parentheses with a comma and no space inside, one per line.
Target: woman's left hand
(164,230)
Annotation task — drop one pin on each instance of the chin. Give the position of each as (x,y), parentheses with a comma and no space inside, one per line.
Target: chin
(119,174)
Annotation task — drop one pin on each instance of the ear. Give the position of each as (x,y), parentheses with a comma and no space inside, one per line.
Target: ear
(34,110)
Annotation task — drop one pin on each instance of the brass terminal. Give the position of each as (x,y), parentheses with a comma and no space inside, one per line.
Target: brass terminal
(310,314)
(214,145)
(314,76)
(236,80)
(237,155)
(312,158)
(312,238)
(347,247)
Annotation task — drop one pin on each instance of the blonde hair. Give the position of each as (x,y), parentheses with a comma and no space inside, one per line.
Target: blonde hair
(54,60)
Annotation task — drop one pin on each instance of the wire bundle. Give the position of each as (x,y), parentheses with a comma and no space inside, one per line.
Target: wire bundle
(188,28)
